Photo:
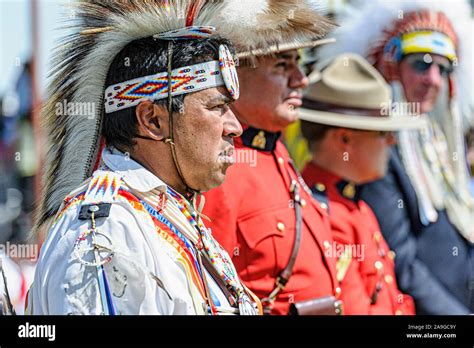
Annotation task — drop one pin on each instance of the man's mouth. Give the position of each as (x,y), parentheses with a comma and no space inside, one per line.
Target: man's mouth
(227,156)
(295,99)
(427,94)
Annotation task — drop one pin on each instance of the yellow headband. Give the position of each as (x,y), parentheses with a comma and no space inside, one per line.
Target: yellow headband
(428,42)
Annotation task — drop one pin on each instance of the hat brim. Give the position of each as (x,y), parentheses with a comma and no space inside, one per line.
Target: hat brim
(370,123)
(284,47)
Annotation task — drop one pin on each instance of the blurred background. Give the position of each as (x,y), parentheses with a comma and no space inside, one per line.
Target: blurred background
(29,30)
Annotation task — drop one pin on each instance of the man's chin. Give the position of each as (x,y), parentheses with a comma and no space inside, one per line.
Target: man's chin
(217,177)
(370,177)
(216,181)
(283,120)
(426,106)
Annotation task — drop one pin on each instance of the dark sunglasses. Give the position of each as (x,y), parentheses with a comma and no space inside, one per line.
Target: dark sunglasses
(419,65)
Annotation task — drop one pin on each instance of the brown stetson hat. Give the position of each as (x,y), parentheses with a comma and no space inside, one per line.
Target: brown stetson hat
(351,93)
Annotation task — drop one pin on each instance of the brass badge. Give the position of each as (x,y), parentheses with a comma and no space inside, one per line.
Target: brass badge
(349,190)
(259,140)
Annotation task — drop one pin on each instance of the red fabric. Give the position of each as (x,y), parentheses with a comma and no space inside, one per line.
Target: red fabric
(245,211)
(99,153)
(353,223)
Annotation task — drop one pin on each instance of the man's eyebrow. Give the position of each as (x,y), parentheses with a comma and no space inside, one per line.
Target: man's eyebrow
(220,98)
(288,56)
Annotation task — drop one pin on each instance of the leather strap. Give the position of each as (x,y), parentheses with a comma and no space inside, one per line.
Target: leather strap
(282,279)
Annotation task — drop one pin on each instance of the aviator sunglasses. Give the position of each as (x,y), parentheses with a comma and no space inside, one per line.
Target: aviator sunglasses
(421,64)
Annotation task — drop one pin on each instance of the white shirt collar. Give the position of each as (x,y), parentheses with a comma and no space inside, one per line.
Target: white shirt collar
(134,174)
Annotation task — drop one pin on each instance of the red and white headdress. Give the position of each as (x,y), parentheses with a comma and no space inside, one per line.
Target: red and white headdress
(371,29)
(384,31)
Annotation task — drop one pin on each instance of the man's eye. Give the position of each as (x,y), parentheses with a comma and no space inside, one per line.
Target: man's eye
(218,107)
(283,65)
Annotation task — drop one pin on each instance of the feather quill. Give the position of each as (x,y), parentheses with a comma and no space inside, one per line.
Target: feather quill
(6,300)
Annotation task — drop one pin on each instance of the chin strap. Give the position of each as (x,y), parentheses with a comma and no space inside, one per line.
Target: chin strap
(170,140)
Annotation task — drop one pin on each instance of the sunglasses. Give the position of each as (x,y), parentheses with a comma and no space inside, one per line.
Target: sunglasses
(419,65)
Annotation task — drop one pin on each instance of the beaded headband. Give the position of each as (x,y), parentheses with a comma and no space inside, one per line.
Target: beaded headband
(184,80)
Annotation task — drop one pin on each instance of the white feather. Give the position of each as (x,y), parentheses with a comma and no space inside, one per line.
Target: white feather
(244,13)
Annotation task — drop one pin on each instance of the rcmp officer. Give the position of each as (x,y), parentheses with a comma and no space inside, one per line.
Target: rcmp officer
(349,135)
(423,204)
(264,215)
(129,239)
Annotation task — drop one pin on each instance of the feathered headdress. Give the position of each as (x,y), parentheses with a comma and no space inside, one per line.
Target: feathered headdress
(258,27)
(383,31)
(101,29)
(368,38)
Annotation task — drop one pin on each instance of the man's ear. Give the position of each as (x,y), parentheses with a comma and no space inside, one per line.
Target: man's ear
(152,120)
(342,137)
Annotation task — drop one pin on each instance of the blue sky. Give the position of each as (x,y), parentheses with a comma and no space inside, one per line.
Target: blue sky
(15,36)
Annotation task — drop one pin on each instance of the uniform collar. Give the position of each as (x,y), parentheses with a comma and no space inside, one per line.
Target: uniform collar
(259,139)
(349,190)
(134,174)
(320,179)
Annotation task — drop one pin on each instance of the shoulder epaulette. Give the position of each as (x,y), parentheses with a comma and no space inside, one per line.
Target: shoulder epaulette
(101,193)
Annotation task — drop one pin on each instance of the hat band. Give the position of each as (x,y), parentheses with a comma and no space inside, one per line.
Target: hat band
(339,109)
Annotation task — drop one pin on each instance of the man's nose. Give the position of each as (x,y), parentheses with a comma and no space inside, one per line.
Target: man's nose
(432,76)
(298,79)
(232,126)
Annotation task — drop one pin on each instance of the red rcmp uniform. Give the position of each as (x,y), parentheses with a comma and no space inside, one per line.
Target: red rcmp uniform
(369,285)
(252,217)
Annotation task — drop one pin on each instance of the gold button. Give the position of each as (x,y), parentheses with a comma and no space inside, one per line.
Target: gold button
(349,191)
(388,279)
(377,236)
(398,312)
(320,187)
(391,255)
(281,226)
(326,244)
(303,203)
(338,291)
(281,160)
(324,205)
(378,265)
